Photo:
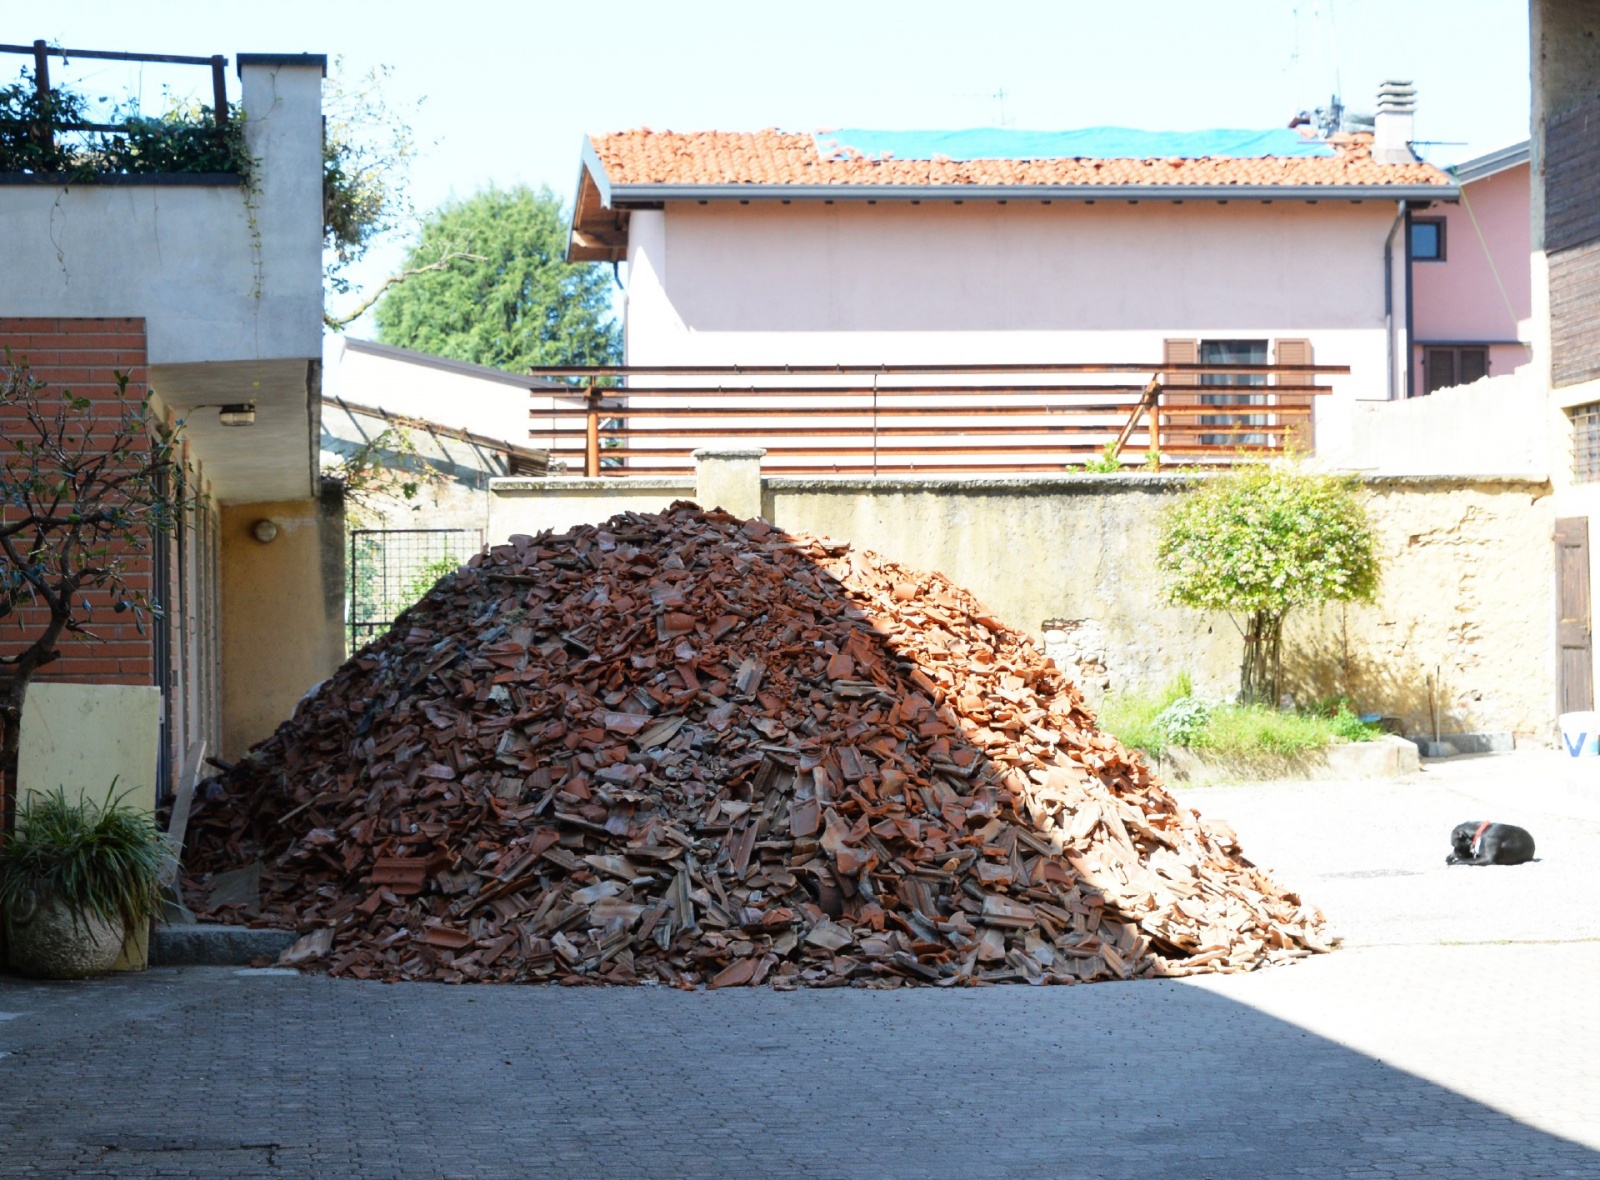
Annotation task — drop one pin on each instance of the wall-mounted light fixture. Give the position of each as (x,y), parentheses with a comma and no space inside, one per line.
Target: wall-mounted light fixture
(239,414)
(265,531)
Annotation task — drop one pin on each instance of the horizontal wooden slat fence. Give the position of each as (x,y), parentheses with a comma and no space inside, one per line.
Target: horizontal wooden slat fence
(904,419)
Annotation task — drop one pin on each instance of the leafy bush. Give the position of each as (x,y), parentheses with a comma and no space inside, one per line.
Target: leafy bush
(98,859)
(1131,717)
(1107,464)
(1259,541)
(427,577)
(1183,722)
(1347,725)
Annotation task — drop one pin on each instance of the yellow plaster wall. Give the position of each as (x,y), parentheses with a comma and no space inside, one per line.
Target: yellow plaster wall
(1463,625)
(282,613)
(80,737)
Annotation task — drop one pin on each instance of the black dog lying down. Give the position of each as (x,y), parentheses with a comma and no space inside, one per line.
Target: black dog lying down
(1489,844)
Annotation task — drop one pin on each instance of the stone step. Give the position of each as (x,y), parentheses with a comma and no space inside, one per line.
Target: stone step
(215,946)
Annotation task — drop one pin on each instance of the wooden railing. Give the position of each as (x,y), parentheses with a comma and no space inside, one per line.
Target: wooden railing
(42,52)
(903,419)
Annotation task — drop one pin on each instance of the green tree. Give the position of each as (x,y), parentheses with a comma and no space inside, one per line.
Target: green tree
(516,303)
(1259,541)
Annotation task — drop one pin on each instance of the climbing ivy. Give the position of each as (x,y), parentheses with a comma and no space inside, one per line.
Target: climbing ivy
(37,137)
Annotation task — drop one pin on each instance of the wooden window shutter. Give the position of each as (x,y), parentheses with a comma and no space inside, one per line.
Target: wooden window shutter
(1439,368)
(1179,352)
(1298,434)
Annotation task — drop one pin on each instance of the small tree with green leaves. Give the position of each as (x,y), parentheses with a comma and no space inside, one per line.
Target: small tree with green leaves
(85,490)
(1258,542)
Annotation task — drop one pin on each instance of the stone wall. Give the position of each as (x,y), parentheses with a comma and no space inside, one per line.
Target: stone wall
(1463,627)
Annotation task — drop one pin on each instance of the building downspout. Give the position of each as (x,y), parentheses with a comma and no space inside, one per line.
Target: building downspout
(1411,359)
(1388,291)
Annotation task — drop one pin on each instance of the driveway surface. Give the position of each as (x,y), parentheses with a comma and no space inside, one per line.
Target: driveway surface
(1456,1032)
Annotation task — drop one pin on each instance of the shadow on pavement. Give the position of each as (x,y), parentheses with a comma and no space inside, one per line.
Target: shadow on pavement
(214,1074)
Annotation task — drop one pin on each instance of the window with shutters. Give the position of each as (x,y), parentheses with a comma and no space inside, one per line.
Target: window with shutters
(1232,352)
(1447,365)
(1586,442)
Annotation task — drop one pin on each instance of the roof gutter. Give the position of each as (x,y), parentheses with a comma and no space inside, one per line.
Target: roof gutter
(623,195)
(1491,163)
(1388,291)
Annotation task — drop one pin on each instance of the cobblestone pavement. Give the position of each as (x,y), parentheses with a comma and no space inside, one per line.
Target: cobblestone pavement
(1413,1052)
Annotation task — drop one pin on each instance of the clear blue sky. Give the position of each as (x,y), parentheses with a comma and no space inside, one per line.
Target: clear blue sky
(501,93)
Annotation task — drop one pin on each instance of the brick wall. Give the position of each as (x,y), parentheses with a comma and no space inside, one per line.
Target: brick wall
(84,355)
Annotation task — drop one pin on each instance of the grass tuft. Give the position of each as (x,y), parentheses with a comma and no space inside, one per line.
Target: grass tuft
(1234,731)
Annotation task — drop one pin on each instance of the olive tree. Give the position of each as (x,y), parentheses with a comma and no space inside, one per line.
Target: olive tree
(1259,541)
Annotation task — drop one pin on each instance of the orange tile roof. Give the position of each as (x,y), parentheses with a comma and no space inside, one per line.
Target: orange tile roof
(771,157)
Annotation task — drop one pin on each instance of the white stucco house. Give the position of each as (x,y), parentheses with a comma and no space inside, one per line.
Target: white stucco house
(868,247)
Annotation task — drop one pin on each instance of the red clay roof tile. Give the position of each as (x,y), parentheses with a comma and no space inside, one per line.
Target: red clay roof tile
(771,157)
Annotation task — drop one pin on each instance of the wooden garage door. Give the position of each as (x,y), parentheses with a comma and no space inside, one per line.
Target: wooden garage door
(1572,589)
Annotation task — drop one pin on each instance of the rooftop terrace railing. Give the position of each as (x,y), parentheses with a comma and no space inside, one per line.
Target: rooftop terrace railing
(907,419)
(47,122)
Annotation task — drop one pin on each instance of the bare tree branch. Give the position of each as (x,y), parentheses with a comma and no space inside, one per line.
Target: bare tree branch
(339,323)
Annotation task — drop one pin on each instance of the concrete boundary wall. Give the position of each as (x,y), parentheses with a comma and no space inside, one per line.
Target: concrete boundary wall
(1463,631)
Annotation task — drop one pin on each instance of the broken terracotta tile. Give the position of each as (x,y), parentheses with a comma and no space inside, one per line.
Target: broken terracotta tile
(680,748)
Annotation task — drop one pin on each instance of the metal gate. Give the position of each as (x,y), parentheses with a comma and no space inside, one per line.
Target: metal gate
(391,568)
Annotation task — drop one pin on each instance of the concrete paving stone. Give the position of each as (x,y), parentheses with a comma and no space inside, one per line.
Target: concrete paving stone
(1367,1062)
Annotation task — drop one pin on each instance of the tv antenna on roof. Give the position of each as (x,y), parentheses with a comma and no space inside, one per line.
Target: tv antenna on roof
(1000,97)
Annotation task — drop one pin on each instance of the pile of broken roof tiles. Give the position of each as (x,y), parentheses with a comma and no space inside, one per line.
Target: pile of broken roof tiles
(686,749)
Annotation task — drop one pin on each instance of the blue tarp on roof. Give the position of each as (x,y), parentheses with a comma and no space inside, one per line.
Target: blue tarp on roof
(1094,143)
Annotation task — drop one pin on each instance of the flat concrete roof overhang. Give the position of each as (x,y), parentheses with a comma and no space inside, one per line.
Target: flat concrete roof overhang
(276,457)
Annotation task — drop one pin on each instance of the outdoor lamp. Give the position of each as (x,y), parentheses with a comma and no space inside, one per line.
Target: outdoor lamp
(239,414)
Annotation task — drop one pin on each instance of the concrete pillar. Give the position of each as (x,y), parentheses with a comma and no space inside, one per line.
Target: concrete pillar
(282,98)
(730,480)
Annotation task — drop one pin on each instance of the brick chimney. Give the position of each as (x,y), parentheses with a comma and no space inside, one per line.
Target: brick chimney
(1391,128)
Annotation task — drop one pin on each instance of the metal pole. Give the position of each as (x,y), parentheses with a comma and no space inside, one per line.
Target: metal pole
(874,424)
(353,591)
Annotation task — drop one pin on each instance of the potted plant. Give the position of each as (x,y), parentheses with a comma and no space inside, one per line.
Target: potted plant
(77,880)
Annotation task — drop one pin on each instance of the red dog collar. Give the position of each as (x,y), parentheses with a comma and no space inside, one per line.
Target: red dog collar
(1478,835)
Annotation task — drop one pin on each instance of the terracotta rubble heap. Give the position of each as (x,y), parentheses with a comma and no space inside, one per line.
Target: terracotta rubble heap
(687,749)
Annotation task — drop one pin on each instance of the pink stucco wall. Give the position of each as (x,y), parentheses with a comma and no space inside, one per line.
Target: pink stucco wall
(1020,281)
(1458,300)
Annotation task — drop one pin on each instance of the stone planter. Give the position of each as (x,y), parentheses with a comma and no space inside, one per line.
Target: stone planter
(47,943)
(1387,757)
